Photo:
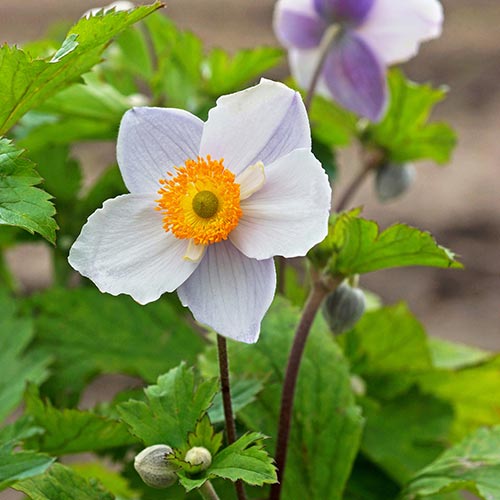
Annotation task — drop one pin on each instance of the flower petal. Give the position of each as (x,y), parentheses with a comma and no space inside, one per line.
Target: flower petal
(355,77)
(395,28)
(297,28)
(302,65)
(353,12)
(289,215)
(151,141)
(230,292)
(261,123)
(123,248)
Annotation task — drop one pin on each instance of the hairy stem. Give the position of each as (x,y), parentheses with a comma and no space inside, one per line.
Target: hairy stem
(326,43)
(226,400)
(208,492)
(318,292)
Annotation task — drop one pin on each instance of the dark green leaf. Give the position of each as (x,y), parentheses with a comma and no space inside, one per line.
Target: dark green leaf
(404,133)
(22,204)
(108,335)
(173,408)
(61,483)
(472,465)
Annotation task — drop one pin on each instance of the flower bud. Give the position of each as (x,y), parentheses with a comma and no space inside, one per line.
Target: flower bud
(151,464)
(393,179)
(199,456)
(343,308)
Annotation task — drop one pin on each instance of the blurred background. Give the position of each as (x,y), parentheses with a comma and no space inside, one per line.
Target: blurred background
(459,203)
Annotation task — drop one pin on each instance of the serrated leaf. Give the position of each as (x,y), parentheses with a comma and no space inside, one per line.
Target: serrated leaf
(72,431)
(404,133)
(23,428)
(108,335)
(27,82)
(173,408)
(62,483)
(326,423)
(22,204)
(358,246)
(225,73)
(18,368)
(204,435)
(21,465)
(472,465)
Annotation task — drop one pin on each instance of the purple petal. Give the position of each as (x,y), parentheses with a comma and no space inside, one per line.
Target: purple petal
(230,292)
(151,141)
(353,12)
(298,29)
(356,78)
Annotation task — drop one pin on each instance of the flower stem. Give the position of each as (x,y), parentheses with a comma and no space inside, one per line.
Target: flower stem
(318,292)
(208,492)
(226,400)
(326,43)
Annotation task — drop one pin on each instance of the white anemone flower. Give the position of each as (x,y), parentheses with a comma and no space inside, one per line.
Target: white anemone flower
(209,206)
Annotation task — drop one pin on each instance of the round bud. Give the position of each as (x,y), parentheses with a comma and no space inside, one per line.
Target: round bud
(343,308)
(151,464)
(199,456)
(393,179)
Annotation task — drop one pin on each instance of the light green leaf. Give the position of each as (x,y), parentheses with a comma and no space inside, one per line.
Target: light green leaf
(108,335)
(174,407)
(21,465)
(72,431)
(472,465)
(22,204)
(225,74)
(358,246)
(62,483)
(26,83)
(446,354)
(404,133)
(18,368)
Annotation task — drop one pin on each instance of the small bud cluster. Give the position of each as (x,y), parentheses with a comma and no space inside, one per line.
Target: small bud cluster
(393,179)
(343,308)
(152,465)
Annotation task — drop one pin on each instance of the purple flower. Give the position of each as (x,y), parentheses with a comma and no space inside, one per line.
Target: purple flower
(371,34)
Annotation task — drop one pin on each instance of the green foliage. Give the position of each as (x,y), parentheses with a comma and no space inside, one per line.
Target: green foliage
(108,335)
(26,83)
(22,204)
(72,431)
(62,483)
(173,408)
(355,246)
(405,134)
(326,424)
(472,465)
(18,367)
(21,465)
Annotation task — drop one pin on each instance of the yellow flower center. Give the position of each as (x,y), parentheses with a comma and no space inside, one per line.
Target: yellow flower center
(200,202)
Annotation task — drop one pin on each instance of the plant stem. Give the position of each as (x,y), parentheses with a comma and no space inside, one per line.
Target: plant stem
(318,292)
(226,400)
(6,277)
(326,43)
(208,492)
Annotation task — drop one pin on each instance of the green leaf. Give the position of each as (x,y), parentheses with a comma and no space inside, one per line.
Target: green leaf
(108,335)
(326,423)
(225,74)
(26,83)
(446,354)
(358,246)
(472,465)
(205,436)
(405,434)
(174,407)
(22,204)
(23,428)
(72,431)
(18,368)
(62,483)
(388,349)
(22,465)
(404,133)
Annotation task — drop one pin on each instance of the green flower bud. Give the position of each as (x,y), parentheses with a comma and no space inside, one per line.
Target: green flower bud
(151,464)
(393,179)
(343,308)
(200,457)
